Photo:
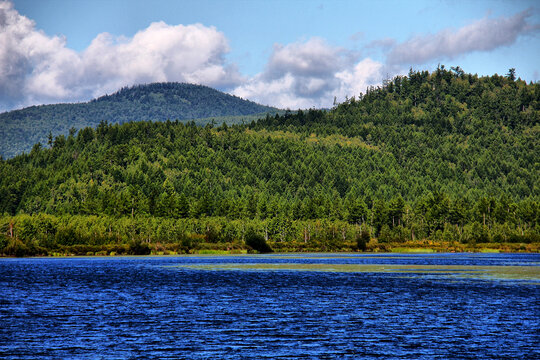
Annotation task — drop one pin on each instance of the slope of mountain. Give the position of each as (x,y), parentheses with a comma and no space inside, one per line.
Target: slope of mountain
(444,156)
(20,129)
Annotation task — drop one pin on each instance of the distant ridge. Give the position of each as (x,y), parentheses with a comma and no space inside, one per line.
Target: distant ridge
(21,129)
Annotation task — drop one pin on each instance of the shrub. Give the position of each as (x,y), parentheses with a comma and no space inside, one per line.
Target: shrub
(362,239)
(138,248)
(18,248)
(257,242)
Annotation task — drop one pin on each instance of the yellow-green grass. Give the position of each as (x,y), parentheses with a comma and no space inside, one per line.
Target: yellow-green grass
(412,250)
(218,252)
(490,251)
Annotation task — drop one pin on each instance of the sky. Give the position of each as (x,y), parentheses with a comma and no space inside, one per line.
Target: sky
(289,54)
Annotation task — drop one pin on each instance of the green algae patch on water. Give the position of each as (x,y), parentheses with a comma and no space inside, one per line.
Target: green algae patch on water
(530,273)
(411,250)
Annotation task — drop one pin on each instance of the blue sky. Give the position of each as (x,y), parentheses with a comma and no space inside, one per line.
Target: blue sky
(282,53)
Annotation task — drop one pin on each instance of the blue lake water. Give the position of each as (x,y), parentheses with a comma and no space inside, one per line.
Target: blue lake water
(189,307)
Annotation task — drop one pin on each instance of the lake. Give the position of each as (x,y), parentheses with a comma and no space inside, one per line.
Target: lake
(293,306)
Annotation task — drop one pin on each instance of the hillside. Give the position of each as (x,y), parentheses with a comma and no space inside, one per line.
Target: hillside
(442,157)
(21,129)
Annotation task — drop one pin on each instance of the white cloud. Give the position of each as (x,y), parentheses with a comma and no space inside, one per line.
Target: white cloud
(27,58)
(36,68)
(161,52)
(354,81)
(482,35)
(310,74)
(313,58)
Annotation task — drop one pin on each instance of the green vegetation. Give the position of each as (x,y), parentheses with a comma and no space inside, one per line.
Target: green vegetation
(445,161)
(21,129)
(412,250)
(257,242)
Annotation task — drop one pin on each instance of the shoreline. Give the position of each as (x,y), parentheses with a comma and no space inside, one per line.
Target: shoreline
(484,248)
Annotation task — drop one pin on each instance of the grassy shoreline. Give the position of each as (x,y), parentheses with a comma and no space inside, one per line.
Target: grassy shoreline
(237,248)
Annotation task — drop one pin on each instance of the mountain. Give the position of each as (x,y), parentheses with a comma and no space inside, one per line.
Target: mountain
(20,129)
(441,157)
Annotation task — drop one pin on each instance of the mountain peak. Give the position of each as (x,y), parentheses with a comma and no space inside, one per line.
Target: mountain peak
(20,129)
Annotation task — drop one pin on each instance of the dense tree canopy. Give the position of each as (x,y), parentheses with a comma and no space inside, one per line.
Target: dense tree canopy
(440,156)
(21,129)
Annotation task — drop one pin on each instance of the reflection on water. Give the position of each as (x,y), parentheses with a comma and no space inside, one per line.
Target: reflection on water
(352,306)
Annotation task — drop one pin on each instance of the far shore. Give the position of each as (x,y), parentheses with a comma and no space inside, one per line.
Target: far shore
(373,247)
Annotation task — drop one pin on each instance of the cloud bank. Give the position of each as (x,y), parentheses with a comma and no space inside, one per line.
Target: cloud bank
(36,68)
(483,35)
(311,73)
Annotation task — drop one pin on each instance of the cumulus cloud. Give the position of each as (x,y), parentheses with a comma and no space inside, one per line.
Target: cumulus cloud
(36,68)
(161,52)
(355,80)
(26,56)
(483,35)
(309,74)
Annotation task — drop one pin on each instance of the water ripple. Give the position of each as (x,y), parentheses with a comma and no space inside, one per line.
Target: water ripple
(122,308)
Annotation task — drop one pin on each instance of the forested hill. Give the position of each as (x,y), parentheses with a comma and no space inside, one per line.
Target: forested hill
(21,129)
(440,156)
